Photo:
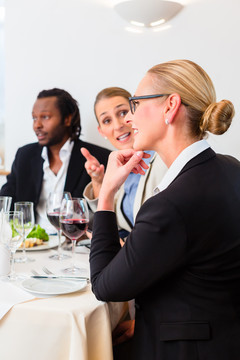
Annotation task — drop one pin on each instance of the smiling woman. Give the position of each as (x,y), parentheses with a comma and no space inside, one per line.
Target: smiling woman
(111,108)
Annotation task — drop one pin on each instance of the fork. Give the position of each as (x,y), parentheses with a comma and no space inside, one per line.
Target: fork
(52,276)
(48,272)
(34,272)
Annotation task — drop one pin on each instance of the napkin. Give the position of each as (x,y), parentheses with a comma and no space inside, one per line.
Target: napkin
(11,295)
(4,260)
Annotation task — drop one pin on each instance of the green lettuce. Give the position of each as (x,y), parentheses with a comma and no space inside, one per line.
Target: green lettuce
(39,233)
(14,232)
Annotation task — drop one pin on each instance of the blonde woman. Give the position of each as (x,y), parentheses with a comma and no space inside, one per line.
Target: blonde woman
(181,260)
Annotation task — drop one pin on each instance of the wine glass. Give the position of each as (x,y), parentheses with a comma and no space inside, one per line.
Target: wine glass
(53,214)
(15,220)
(5,203)
(67,195)
(28,223)
(74,218)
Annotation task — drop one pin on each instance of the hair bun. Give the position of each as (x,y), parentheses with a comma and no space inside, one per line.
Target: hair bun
(218,117)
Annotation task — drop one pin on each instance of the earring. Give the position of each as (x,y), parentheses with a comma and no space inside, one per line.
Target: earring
(166,122)
(105,137)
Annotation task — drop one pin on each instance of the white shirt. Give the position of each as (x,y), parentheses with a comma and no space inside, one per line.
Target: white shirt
(52,183)
(183,158)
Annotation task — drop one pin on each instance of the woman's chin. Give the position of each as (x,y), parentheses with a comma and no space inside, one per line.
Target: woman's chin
(137,146)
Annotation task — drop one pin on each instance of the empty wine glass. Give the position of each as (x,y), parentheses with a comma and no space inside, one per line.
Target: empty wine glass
(28,223)
(74,218)
(67,195)
(53,214)
(5,203)
(15,220)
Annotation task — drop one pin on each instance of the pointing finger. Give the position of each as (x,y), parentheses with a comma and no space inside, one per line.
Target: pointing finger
(87,154)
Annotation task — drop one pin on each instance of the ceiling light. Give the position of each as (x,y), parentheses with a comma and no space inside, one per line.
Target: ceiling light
(148,12)
(137,23)
(157,23)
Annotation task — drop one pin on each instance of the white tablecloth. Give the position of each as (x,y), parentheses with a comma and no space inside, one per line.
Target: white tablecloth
(74,326)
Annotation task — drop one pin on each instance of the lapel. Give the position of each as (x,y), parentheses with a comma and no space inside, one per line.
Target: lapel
(75,167)
(138,201)
(121,218)
(37,171)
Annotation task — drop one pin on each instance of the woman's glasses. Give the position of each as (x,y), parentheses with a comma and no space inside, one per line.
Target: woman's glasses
(133,103)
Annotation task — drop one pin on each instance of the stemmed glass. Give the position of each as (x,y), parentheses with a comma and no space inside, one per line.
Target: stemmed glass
(5,203)
(28,223)
(74,218)
(15,220)
(67,195)
(53,214)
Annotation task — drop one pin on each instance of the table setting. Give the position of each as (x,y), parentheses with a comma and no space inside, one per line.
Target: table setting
(26,280)
(47,303)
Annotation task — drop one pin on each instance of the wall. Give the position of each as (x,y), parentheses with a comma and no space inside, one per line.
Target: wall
(1,85)
(82,46)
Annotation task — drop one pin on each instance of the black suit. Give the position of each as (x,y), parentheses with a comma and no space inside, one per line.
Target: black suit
(181,263)
(24,183)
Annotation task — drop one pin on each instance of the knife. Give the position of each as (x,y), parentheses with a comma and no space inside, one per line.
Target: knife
(60,277)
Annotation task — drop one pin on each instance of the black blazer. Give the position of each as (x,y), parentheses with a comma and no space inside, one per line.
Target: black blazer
(24,183)
(181,263)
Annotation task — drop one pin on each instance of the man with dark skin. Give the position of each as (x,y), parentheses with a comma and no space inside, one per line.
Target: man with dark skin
(55,162)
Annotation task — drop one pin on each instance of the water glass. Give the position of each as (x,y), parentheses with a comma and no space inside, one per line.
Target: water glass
(5,203)
(15,220)
(28,223)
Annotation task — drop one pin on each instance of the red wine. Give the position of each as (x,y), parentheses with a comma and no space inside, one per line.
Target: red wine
(74,228)
(54,219)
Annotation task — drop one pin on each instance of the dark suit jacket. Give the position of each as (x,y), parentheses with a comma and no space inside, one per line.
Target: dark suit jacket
(181,263)
(24,183)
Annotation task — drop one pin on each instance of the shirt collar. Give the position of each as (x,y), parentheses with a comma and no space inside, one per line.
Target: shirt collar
(64,152)
(148,160)
(183,158)
(66,149)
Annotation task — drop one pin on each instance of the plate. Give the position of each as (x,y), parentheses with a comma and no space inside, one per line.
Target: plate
(51,243)
(84,242)
(53,286)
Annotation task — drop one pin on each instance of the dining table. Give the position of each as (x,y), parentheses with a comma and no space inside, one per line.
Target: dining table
(67,325)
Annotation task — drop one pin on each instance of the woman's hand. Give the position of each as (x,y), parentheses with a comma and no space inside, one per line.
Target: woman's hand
(123,332)
(95,170)
(89,234)
(120,164)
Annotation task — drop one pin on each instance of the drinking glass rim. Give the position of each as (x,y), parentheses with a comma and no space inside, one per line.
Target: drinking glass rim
(24,203)
(13,211)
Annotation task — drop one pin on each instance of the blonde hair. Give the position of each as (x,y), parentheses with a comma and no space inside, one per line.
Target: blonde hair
(109,93)
(198,95)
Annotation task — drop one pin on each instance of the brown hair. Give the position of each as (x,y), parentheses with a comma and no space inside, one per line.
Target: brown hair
(109,93)
(197,93)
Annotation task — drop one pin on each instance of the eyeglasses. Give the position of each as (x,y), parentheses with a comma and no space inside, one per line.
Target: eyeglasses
(133,103)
